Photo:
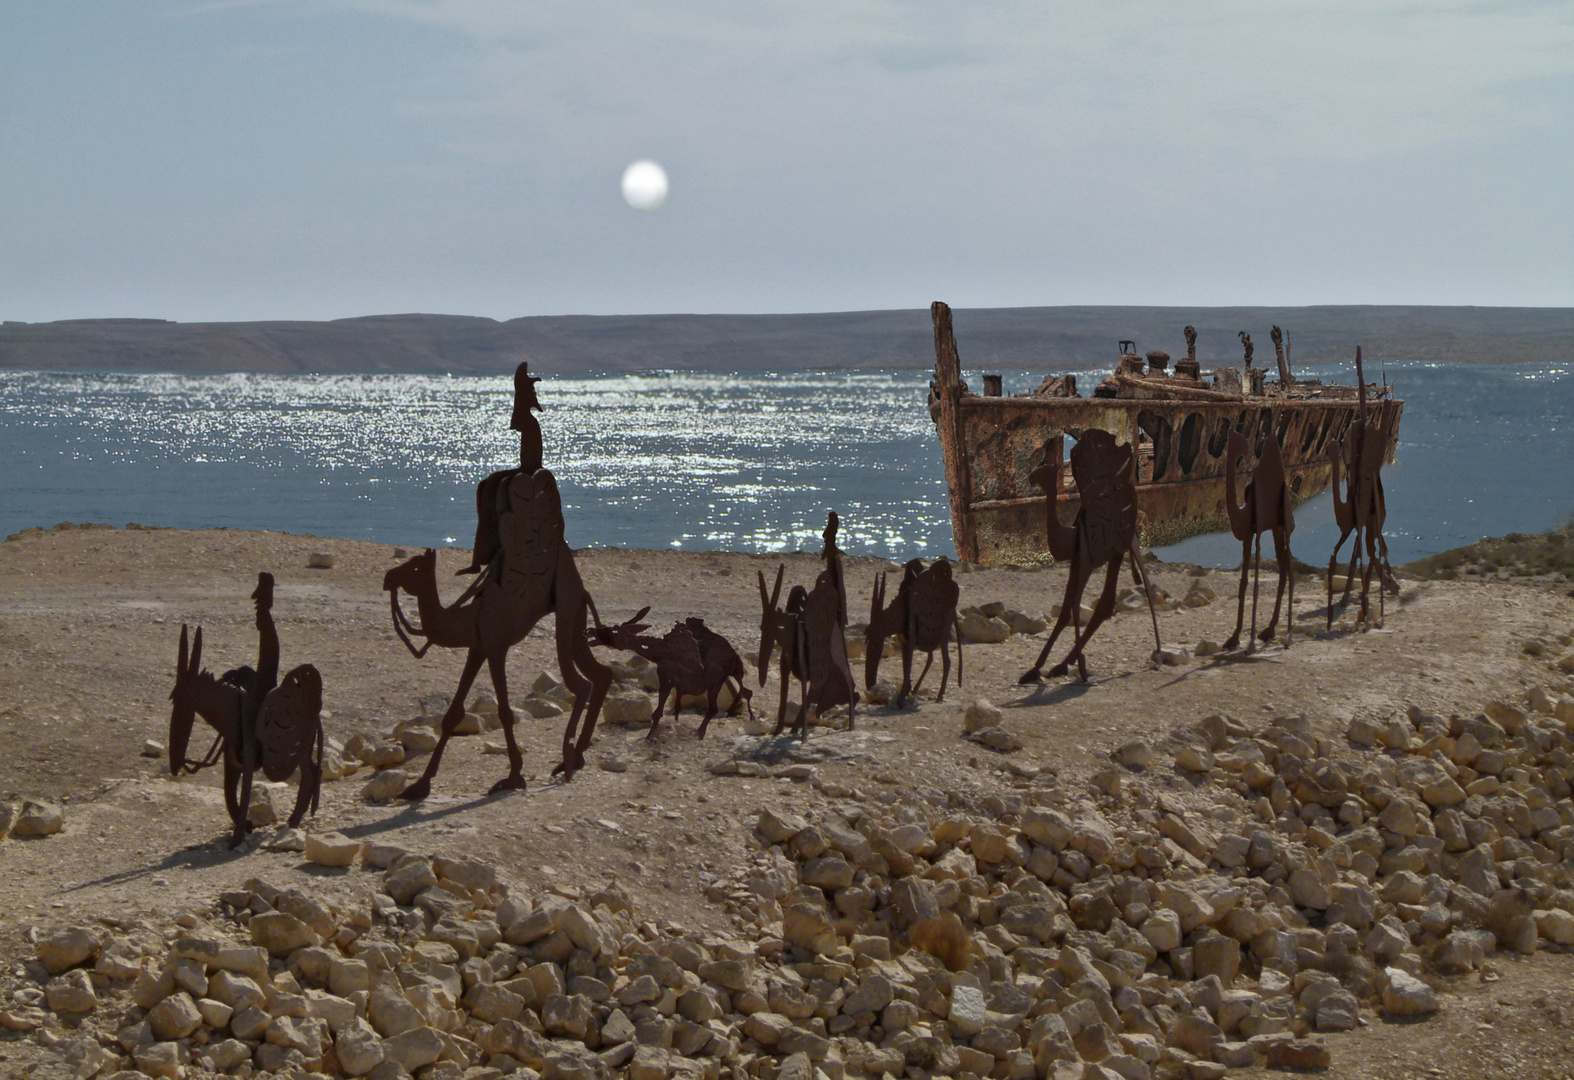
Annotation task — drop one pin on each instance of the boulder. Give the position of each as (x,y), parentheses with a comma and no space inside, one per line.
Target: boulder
(37,818)
(332,849)
(1406,995)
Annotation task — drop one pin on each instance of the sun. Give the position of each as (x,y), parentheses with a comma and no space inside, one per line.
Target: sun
(645,185)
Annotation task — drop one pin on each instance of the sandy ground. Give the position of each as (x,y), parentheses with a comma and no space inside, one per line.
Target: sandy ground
(89,620)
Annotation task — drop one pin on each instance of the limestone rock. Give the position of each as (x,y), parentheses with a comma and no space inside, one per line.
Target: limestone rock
(331,849)
(67,949)
(385,785)
(71,993)
(981,714)
(281,934)
(1406,995)
(37,818)
(175,1017)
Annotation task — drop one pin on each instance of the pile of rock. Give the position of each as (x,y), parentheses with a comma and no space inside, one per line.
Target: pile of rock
(1146,928)
(30,819)
(992,623)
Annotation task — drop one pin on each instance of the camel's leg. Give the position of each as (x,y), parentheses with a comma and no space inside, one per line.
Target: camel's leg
(574,649)
(243,806)
(1141,573)
(1073,602)
(945,670)
(456,712)
(1333,562)
(1281,553)
(958,653)
(930,659)
(1068,606)
(1101,611)
(1355,560)
(1240,594)
(1251,641)
(908,689)
(800,723)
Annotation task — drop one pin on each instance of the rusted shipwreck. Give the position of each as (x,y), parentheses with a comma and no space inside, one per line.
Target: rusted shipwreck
(1179,422)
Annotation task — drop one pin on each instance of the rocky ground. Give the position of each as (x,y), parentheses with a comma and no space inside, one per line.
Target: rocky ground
(1533,558)
(1353,854)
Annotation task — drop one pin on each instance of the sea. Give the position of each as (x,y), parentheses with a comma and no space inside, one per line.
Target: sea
(672,459)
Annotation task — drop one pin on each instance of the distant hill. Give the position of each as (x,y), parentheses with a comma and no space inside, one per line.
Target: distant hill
(1044,338)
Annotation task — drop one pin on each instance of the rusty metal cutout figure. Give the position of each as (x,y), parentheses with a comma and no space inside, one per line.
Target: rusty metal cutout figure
(1191,343)
(923,614)
(528,573)
(1362,510)
(1246,343)
(258,725)
(691,659)
(1282,356)
(819,650)
(1267,509)
(780,628)
(1103,534)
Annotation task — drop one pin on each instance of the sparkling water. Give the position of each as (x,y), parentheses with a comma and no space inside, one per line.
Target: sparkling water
(744,462)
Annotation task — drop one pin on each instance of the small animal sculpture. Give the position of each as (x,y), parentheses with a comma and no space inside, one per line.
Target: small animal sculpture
(690,659)
(779,627)
(1246,343)
(923,614)
(1363,510)
(529,573)
(278,732)
(1103,534)
(1266,509)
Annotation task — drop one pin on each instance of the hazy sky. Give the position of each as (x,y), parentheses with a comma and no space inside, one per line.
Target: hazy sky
(293,159)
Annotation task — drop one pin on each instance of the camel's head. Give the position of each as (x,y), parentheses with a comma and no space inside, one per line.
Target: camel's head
(409,574)
(183,713)
(620,636)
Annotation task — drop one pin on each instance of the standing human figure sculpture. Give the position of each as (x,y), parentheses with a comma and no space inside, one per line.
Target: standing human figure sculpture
(1191,343)
(1266,509)
(1246,343)
(1104,533)
(527,572)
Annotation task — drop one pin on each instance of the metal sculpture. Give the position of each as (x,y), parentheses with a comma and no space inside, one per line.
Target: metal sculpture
(1266,509)
(258,725)
(1282,356)
(1191,343)
(1127,346)
(528,573)
(1103,534)
(819,649)
(1246,343)
(691,659)
(779,628)
(1362,510)
(923,614)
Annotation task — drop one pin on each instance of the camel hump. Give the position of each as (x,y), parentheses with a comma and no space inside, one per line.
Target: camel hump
(287,721)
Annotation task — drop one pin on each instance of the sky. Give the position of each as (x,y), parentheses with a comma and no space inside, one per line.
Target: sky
(285,159)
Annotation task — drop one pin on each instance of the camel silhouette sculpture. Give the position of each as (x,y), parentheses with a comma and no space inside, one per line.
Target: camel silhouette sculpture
(923,614)
(1103,533)
(1266,509)
(1362,509)
(527,572)
(813,638)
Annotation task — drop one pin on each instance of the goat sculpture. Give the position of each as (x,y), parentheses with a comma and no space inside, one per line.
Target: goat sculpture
(1104,533)
(1266,509)
(278,730)
(779,629)
(923,614)
(690,659)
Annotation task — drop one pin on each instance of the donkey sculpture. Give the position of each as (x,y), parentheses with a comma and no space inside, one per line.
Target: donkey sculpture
(1104,533)
(278,733)
(923,613)
(1266,509)
(690,659)
(779,628)
(817,625)
(1363,509)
